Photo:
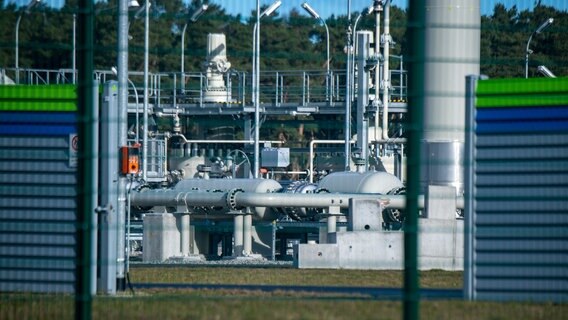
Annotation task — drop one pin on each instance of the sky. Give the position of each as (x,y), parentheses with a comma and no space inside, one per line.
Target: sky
(338,7)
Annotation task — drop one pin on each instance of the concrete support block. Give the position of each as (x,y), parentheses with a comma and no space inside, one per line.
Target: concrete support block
(440,202)
(316,256)
(161,238)
(365,215)
(440,244)
(370,250)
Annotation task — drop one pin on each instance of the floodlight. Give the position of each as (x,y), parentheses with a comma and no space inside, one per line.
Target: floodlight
(199,12)
(271,9)
(545,25)
(310,10)
(544,70)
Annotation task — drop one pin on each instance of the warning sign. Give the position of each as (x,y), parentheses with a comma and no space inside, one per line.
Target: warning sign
(73,149)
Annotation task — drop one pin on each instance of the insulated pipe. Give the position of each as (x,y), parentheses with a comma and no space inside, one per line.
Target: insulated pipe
(184,226)
(386,71)
(122,128)
(274,200)
(377,69)
(247,234)
(238,235)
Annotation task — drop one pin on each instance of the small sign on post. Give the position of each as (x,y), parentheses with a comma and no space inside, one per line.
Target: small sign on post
(73,149)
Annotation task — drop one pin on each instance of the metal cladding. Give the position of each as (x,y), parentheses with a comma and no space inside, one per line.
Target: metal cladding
(452,51)
(355,182)
(443,164)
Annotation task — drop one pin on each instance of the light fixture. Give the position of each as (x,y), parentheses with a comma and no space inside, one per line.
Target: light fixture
(545,25)
(27,10)
(528,51)
(198,12)
(133,4)
(142,10)
(271,8)
(316,16)
(544,70)
(310,10)
(32,4)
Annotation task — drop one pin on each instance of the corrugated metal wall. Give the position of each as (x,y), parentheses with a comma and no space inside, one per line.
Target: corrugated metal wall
(37,188)
(520,210)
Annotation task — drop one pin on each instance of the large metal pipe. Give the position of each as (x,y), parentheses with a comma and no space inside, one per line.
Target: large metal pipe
(363,52)
(386,71)
(247,234)
(238,222)
(275,200)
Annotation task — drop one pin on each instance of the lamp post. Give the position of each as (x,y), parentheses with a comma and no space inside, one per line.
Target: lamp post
(198,13)
(27,10)
(256,76)
(115,72)
(315,15)
(528,51)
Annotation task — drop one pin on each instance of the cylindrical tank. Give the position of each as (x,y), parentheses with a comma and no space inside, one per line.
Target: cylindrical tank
(443,164)
(247,185)
(355,182)
(452,51)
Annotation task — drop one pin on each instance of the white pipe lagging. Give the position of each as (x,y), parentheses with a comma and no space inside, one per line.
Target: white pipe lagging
(386,71)
(377,73)
(314,142)
(274,200)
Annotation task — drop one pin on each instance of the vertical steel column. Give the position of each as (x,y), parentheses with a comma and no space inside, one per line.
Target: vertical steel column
(122,76)
(416,28)
(257,94)
(347,127)
(247,234)
(87,162)
(469,188)
(363,52)
(109,172)
(185,225)
(238,222)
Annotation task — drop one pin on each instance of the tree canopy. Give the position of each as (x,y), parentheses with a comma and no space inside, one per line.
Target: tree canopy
(289,41)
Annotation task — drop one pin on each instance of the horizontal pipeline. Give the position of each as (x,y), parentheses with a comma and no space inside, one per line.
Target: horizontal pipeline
(275,200)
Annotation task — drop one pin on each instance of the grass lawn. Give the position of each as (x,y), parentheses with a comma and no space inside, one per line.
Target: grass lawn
(240,304)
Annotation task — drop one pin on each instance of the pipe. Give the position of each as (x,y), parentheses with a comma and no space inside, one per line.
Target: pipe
(257,95)
(347,122)
(145,116)
(247,234)
(312,147)
(238,235)
(184,226)
(278,200)
(122,128)
(386,71)
(377,69)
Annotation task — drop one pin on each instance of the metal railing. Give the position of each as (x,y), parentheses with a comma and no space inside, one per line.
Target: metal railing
(277,88)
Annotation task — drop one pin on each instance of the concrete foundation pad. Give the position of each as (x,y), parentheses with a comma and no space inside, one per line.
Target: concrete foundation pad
(189,258)
(249,257)
(316,256)
(440,247)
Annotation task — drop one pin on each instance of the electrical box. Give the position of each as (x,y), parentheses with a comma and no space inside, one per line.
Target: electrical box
(275,157)
(130,159)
